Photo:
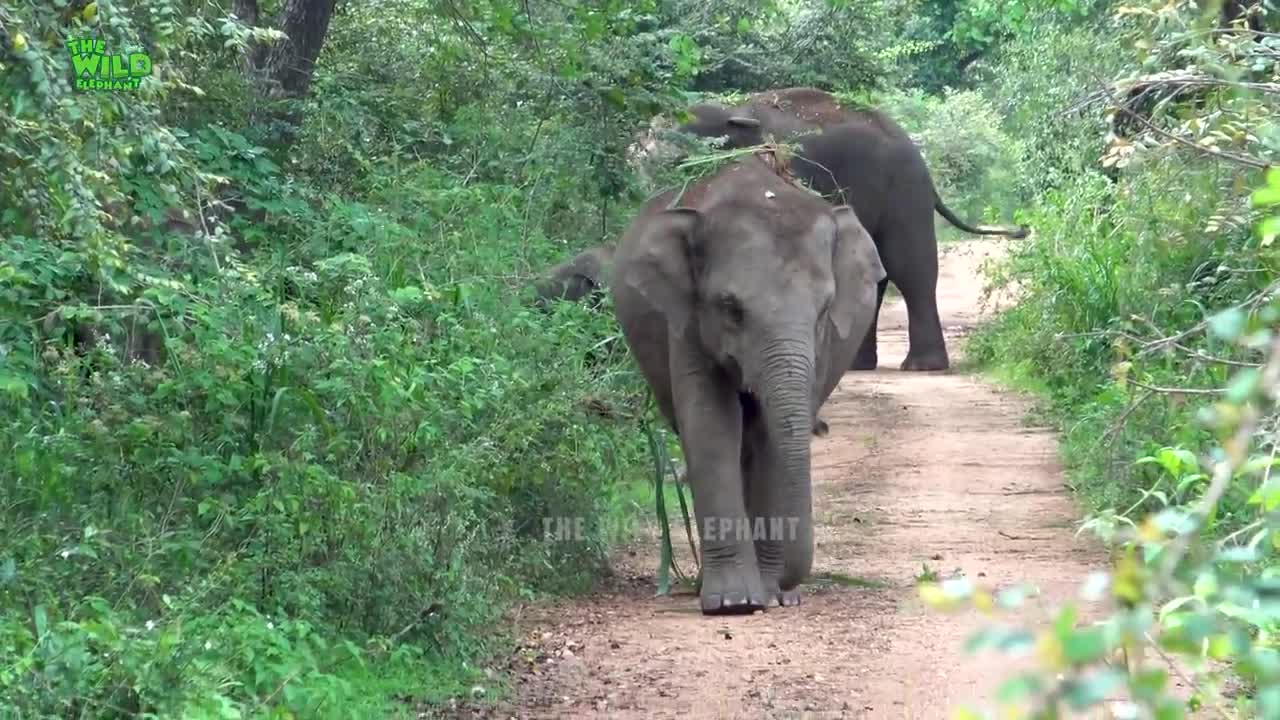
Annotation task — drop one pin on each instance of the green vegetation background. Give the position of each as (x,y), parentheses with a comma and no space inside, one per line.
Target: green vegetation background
(283,426)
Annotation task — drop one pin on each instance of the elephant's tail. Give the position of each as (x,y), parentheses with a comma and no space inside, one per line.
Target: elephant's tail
(1018,232)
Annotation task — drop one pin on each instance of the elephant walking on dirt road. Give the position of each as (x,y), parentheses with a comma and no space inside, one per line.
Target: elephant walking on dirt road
(864,159)
(743,305)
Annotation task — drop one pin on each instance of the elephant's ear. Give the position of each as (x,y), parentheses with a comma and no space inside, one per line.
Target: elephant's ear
(660,270)
(857,269)
(743,121)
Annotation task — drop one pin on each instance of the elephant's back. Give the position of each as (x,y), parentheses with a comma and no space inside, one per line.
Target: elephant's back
(810,105)
(809,108)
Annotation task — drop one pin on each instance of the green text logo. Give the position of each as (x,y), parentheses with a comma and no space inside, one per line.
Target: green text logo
(96,70)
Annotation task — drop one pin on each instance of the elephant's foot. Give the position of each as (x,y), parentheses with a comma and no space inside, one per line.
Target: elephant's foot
(926,361)
(864,361)
(732,603)
(732,592)
(779,597)
(788,598)
(820,427)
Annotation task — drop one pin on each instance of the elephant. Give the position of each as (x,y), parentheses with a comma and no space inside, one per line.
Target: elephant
(864,159)
(585,275)
(743,300)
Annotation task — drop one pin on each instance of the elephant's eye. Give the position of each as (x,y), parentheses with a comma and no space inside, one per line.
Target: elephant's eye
(730,306)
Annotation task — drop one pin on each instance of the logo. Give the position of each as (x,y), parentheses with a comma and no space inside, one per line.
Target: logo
(96,70)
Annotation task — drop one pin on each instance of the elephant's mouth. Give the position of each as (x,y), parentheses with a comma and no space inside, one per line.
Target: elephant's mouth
(751,409)
(733,372)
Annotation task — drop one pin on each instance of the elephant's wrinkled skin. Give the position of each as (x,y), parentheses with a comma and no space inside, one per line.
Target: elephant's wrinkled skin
(743,306)
(862,158)
(585,275)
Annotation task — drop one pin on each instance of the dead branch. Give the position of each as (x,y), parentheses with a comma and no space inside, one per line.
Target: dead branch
(1212,152)
(1175,391)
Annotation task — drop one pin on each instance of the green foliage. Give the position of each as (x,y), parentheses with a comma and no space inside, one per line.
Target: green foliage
(980,23)
(1193,575)
(283,429)
(976,165)
(1146,316)
(951,36)
(1121,259)
(753,46)
(1037,84)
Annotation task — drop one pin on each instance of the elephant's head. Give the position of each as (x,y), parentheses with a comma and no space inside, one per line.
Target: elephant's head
(661,145)
(765,283)
(709,120)
(583,276)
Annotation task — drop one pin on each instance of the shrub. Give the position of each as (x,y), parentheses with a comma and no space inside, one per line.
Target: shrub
(975,164)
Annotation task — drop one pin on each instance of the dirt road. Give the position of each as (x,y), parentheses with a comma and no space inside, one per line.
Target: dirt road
(920,470)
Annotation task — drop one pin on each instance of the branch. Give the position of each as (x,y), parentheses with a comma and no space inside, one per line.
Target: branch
(1175,391)
(1118,425)
(1251,304)
(1210,151)
(1235,453)
(1239,31)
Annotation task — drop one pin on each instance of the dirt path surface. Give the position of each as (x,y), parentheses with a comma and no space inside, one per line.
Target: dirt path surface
(920,469)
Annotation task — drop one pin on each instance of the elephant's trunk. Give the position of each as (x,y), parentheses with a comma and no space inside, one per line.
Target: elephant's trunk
(786,393)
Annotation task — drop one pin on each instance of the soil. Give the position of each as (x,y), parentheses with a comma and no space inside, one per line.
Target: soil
(921,474)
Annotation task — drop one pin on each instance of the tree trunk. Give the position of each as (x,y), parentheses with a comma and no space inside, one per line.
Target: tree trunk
(247,11)
(284,71)
(288,65)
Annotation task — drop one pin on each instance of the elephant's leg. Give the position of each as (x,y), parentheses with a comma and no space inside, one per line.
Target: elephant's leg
(910,258)
(867,359)
(763,475)
(710,419)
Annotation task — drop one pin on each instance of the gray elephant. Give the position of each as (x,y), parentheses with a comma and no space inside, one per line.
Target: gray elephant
(743,305)
(585,275)
(864,159)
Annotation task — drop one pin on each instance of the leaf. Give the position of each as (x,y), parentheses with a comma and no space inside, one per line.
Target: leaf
(1003,639)
(1084,646)
(1170,710)
(934,596)
(1270,193)
(1239,554)
(1269,229)
(13,385)
(1228,324)
(1019,687)
(40,617)
(1169,607)
(1243,385)
(1089,690)
(1148,684)
(616,98)
(1220,647)
(1206,585)
(408,295)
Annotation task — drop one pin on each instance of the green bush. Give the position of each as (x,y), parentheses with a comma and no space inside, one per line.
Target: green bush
(1123,253)
(976,166)
(284,427)
(1146,319)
